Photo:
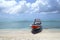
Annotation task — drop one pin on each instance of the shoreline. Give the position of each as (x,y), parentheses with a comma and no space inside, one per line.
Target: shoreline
(31,29)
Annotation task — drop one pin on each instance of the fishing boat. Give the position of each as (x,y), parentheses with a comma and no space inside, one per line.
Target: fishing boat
(36,26)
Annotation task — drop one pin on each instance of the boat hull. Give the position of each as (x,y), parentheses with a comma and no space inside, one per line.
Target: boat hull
(37,30)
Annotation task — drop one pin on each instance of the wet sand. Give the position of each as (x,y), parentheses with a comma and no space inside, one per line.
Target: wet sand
(46,34)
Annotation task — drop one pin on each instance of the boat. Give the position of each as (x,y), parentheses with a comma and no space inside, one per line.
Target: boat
(36,26)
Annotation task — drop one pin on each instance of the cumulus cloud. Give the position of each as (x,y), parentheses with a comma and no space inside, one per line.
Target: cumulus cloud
(13,7)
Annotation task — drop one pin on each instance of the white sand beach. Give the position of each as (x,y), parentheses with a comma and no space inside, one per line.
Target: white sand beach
(46,34)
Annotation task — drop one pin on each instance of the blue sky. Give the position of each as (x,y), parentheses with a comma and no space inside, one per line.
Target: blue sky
(29,9)
(31,1)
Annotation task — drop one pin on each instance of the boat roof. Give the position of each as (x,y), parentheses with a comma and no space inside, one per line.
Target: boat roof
(37,20)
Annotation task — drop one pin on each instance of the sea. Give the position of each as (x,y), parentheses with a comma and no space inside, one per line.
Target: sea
(27,25)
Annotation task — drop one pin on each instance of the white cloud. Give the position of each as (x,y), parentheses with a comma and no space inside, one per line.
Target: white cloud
(13,7)
(7,4)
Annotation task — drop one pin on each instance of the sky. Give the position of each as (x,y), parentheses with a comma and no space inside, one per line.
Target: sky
(29,9)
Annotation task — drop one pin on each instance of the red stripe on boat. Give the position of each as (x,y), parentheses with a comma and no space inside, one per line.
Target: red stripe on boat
(34,27)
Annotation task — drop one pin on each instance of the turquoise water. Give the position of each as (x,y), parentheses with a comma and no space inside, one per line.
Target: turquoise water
(26,24)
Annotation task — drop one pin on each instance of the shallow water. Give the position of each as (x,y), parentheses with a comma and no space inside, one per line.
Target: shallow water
(26,24)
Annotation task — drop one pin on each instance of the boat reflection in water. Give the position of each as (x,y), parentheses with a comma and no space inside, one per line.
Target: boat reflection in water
(36,26)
